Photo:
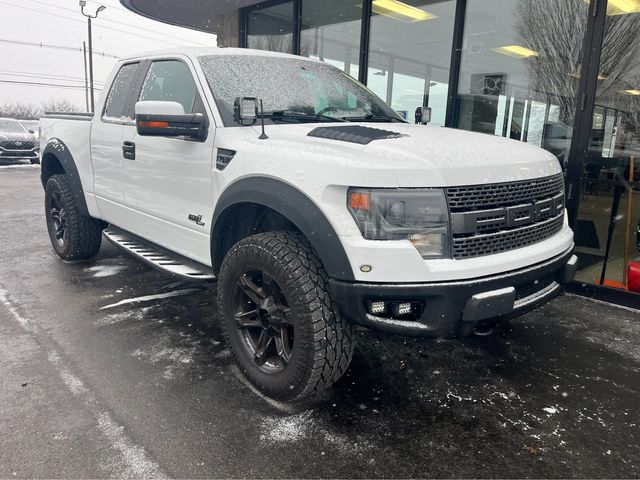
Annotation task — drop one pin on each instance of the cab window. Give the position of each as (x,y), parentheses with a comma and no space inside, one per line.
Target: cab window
(171,81)
(117,106)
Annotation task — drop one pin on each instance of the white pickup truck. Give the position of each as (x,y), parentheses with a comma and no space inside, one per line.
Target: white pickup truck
(312,203)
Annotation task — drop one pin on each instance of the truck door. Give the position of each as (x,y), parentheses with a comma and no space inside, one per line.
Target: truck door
(106,144)
(168,188)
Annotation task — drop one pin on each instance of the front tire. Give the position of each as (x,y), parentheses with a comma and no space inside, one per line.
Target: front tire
(279,318)
(73,236)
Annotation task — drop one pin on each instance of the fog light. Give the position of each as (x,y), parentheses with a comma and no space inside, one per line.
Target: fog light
(376,308)
(403,308)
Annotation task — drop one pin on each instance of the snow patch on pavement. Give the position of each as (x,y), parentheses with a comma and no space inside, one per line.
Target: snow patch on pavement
(301,426)
(148,298)
(100,271)
(287,429)
(134,315)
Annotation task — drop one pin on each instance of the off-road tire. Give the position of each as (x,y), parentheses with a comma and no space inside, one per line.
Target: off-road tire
(323,340)
(83,234)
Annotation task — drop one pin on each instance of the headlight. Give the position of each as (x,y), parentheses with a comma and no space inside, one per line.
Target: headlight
(418,215)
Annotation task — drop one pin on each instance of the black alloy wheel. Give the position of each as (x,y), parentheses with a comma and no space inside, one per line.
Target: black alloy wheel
(262,320)
(58,218)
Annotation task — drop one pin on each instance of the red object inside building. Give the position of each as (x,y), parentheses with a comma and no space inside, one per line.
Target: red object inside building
(633,278)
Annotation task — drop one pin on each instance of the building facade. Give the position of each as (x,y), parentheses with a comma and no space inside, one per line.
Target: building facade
(560,74)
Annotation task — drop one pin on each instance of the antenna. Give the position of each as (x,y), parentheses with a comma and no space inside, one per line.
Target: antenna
(263,135)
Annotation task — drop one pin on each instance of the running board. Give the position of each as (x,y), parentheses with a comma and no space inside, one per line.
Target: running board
(159,257)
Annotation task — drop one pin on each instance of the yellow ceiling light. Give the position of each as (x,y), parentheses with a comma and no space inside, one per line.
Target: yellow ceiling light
(621,7)
(630,92)
(516,51)
(577,75)
(401,11)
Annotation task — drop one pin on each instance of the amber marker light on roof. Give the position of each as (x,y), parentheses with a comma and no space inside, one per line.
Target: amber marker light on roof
(516,51)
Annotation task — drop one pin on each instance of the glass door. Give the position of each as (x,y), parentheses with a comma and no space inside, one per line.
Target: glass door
(607,226)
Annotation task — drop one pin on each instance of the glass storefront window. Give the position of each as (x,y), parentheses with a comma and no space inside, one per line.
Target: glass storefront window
(520,70)
(271,28)
(607,226)
(409,54)
(330,32)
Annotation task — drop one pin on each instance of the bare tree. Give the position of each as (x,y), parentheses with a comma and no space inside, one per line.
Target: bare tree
(24,111)
(60,106)
(555,29)
(20,110)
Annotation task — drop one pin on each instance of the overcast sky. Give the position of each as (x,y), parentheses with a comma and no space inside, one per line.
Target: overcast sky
(59,23)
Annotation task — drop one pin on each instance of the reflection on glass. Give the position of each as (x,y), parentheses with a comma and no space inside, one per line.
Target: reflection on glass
(409,54)
(271,28)
(331,32)
(520,70)
(606,231)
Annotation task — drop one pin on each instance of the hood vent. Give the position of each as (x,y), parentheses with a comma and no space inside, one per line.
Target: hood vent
(354,134)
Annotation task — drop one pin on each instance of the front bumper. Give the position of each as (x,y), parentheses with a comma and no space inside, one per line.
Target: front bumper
(455,308)
(19,154)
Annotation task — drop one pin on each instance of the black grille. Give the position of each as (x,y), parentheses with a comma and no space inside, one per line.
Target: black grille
(17,145)
(488,244)
(478,197)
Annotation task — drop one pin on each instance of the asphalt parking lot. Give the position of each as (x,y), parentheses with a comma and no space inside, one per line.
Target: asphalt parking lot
(111,369)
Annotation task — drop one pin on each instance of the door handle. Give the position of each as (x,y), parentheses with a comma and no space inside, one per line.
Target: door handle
(129,150)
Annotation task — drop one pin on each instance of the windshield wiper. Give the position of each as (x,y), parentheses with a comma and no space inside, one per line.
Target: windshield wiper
(295,115)
(374,118)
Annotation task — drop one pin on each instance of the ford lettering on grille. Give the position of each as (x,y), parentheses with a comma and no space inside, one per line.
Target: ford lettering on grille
(507,217)
(494,218)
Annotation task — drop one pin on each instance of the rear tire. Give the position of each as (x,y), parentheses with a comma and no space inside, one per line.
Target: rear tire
(73,236)
(279,318)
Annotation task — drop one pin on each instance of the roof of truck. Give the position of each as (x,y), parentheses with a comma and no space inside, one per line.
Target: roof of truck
(203,51)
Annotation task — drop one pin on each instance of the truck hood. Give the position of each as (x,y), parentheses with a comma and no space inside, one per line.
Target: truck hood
(408,155)
(17,137)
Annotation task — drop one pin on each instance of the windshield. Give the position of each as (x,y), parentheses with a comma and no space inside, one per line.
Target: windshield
(292,90)
(11,126)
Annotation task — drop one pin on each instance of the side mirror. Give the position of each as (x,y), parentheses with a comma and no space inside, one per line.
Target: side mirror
(167,119)
(32,132)
(245,110)
(423,115)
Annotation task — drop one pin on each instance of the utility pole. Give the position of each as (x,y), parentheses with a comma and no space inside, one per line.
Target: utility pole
(86,81)
(90,17)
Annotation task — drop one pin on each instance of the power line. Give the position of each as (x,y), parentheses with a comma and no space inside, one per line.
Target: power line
(50,45)
(82,21)
(42,75)
(115,21)
(41,84)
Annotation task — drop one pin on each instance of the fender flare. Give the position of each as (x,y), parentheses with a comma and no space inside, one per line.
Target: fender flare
(296,207)
(57,148)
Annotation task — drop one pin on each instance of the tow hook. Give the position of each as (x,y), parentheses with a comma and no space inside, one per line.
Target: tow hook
(482,330)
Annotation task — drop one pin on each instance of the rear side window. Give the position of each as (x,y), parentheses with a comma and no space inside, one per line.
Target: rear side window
(117,106)
(171,81)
